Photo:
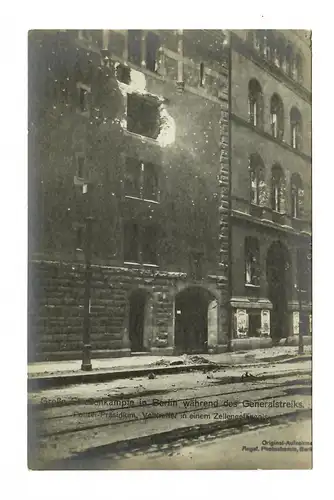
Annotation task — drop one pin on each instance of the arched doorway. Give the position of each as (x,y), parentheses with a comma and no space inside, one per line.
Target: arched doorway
(137,320)
(279,288)
(195,320)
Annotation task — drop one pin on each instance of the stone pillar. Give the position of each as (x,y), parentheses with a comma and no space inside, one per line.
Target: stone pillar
(265,323)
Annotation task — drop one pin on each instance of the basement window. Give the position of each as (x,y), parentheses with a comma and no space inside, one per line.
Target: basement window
(143,116)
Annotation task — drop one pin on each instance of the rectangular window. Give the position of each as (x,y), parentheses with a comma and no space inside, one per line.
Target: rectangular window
(132,181)
(134,46)
(152,51)
(83,98)
(149,244)
(143,116)
(80,166)
(140,243)
(274,124)
(253,112)
(254,188)
(141,180)
(201,75)
(252,261)
(131,242)
(150,181)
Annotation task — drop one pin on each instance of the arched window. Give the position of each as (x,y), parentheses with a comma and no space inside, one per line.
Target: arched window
(252,261)
(296,128)
(289,60)
(299,68)
(297,196)
(277,117)
(277,189)
(255,103)
(257,180)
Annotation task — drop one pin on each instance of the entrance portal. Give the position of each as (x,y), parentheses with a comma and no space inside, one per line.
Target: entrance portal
(279,284)
(138,301)
(192,314)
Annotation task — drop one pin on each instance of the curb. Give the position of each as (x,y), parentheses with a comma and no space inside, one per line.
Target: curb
(49,382)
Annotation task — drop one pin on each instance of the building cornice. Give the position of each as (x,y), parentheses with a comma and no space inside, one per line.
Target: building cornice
(244,49)
(262,133)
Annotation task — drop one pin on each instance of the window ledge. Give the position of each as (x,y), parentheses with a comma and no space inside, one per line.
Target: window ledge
(129,263)
(141,199)
(251,285)
(140,137)
(151,265)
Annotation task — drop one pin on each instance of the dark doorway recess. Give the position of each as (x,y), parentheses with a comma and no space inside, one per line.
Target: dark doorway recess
(191,320)
(138,301)
(279,288)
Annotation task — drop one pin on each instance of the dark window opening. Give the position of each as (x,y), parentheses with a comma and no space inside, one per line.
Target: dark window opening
(131,242)
(252,261)
(123,74)
(81,167)
(255,103)
(277,186)
(79,238)
(296,128)
(254,323)
(143,116)
(201,75)
(277,117)
(152,51)
(297,195)
(257,181)
(134,46)
(149,245)
(132,179)
(196,265)
(150,182)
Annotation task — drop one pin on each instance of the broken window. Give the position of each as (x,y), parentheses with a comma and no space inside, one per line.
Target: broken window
(134,46)
(141,179)
(143,116)
(131,243)
(255,102)
(152,51)
(252,275)
(277,117)
(297,196)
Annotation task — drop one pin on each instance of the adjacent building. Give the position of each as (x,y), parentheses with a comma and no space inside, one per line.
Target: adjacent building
(189,152)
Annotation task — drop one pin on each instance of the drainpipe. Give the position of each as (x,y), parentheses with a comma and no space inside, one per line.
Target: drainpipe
(230,321)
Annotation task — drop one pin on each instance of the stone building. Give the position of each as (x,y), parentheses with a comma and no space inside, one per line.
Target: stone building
(190,151)
(270,186)
(130,128)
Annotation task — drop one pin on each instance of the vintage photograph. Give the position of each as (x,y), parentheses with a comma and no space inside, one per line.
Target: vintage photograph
(169,249)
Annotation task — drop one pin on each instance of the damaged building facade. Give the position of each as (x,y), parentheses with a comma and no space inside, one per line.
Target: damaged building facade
(153,136)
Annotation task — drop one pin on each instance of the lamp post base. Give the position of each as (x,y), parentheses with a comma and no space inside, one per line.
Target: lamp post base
(86,364)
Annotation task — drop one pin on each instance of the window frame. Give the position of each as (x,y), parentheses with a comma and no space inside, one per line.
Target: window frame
(141,227)
(149,101)
(140,195)
(252,261)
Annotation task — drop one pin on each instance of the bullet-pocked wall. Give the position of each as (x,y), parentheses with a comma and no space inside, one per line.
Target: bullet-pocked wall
(79,135)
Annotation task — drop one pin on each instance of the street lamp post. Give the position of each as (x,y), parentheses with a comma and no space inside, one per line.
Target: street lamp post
(86,349)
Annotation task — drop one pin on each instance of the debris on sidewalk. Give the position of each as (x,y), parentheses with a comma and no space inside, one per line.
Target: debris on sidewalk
(247,376)
(151,376)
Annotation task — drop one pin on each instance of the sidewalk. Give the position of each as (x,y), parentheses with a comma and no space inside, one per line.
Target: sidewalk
(59,373)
